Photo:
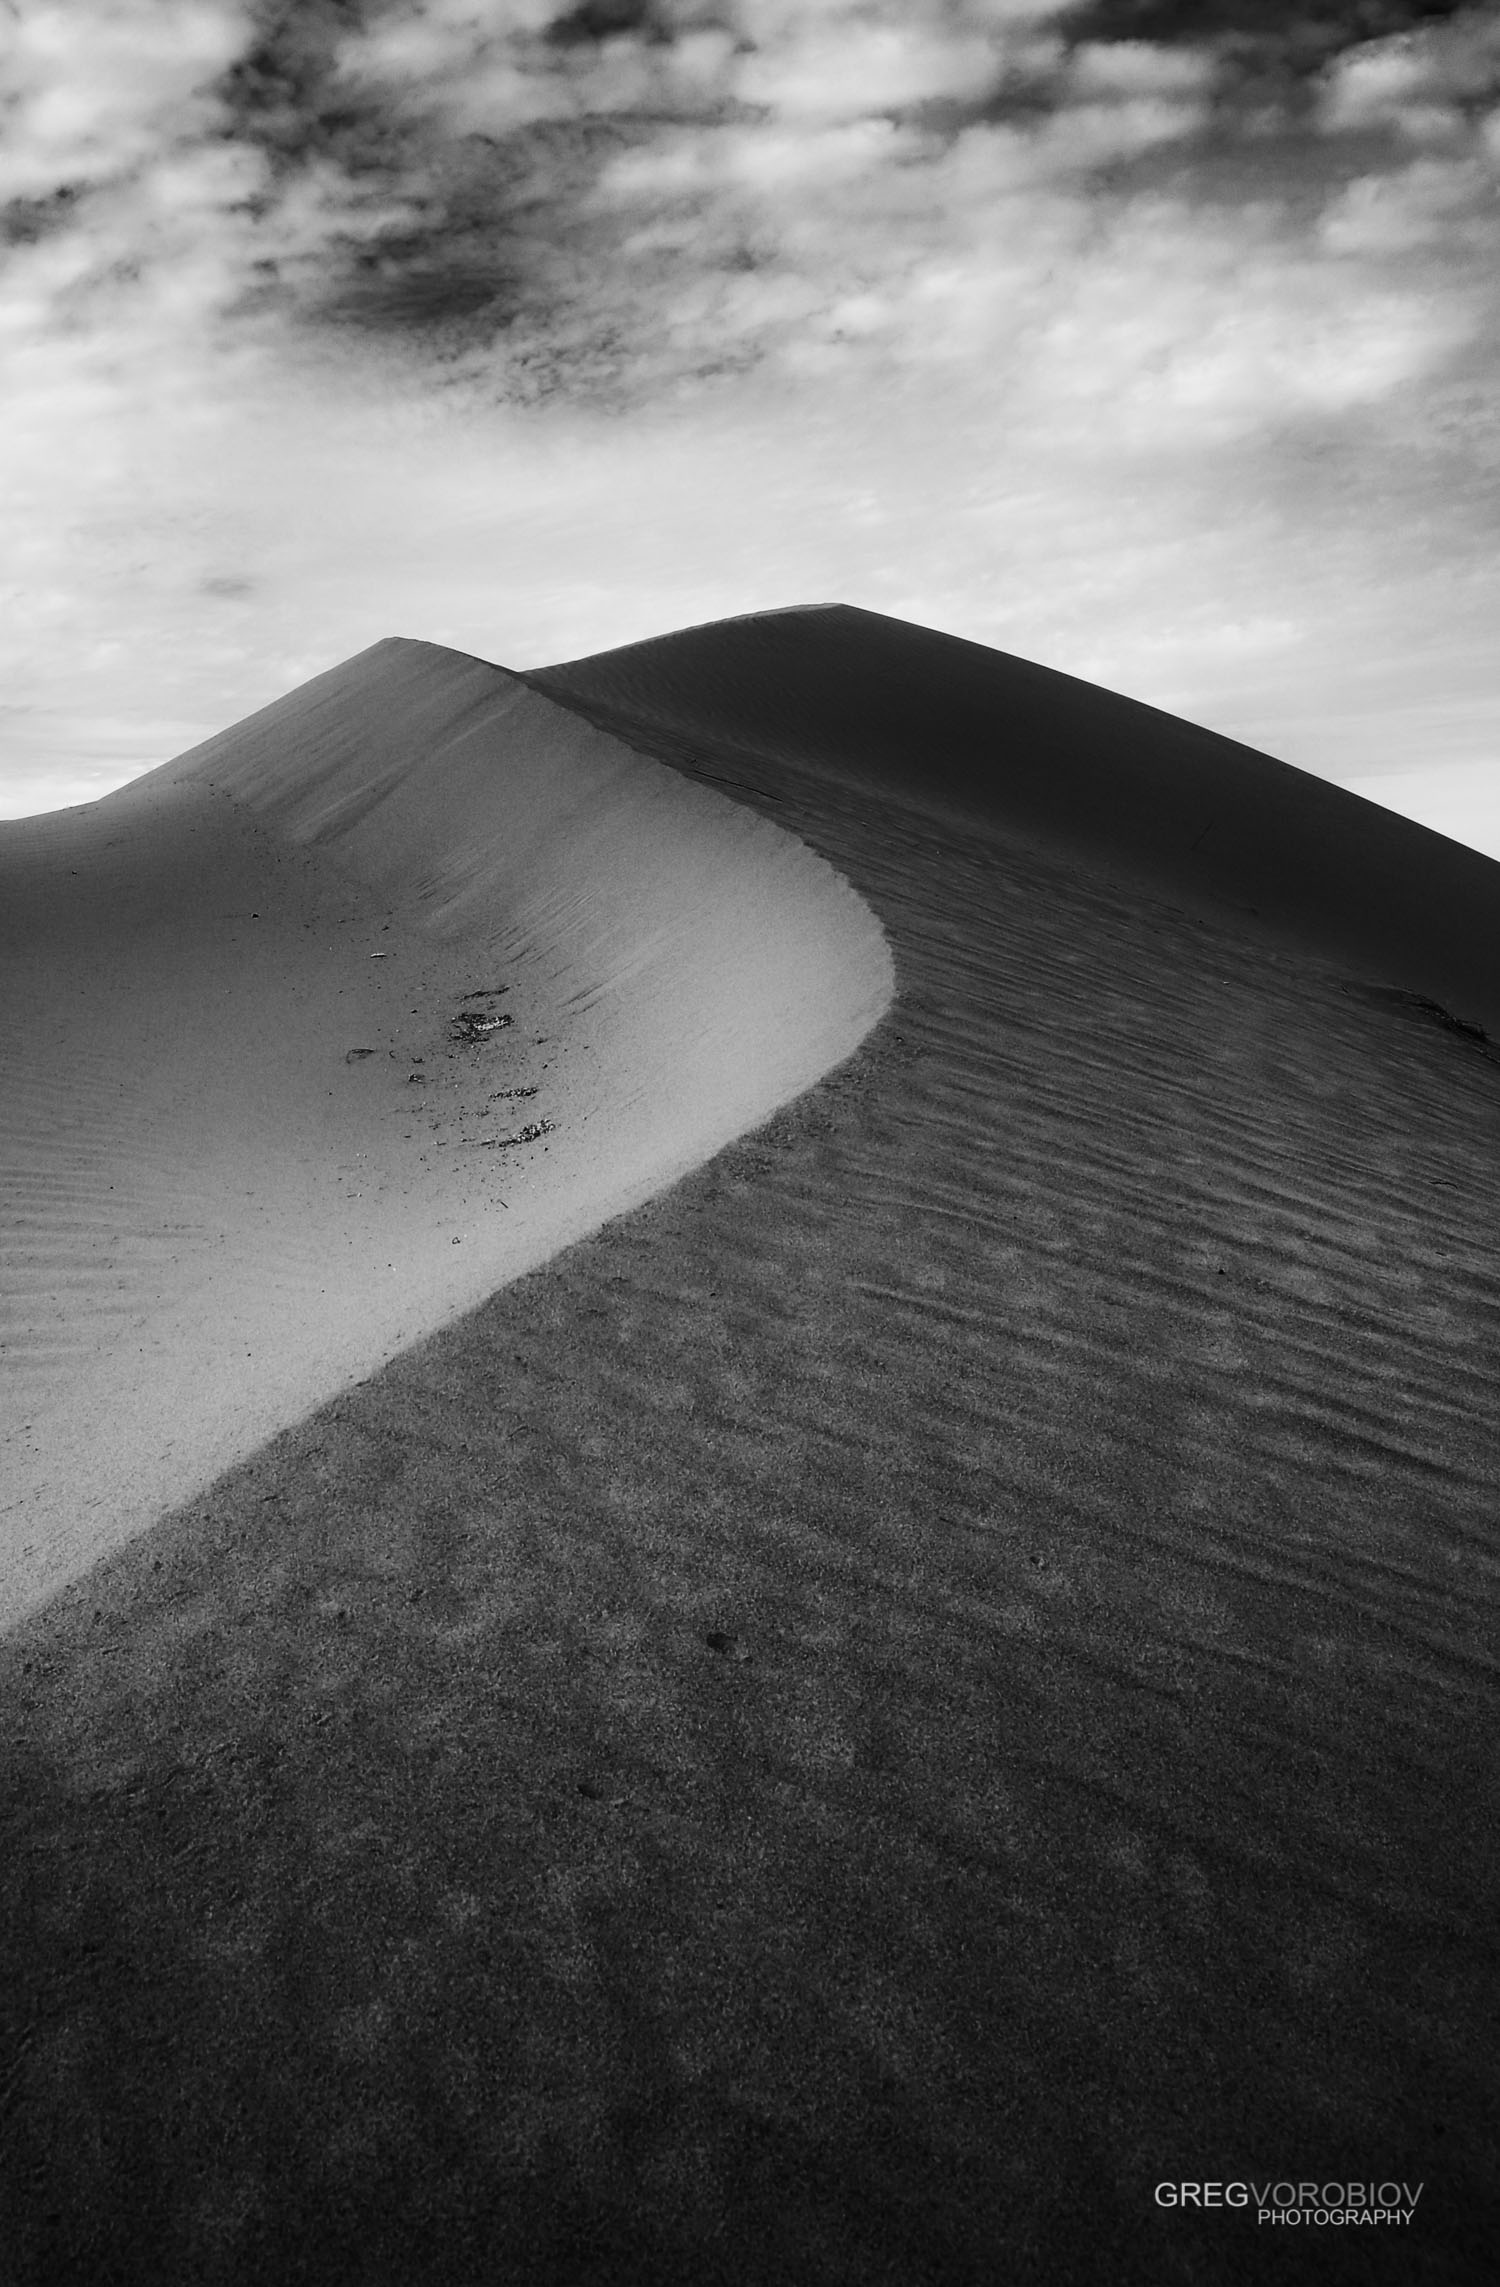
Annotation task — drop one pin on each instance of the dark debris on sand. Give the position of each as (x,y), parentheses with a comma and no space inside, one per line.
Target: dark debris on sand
(475,1025)
(533,1132)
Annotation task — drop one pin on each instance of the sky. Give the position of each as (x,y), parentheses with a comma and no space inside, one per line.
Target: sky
(1156,340)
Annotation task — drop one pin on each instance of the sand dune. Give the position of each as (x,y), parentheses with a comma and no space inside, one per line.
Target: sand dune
(934,1677)
(245,1159)
(1273,851)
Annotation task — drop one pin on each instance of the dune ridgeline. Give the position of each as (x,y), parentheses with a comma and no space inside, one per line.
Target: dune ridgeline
(1134,793)
(321,1032)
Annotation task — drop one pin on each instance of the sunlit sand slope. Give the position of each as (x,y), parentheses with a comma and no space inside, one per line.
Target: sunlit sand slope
(270,1014)
(941,722)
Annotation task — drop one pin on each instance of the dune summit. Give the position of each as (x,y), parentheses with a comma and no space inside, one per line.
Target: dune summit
(321,1032)
(1136,793)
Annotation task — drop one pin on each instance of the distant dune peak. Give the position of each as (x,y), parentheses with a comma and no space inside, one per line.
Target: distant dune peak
(1107,781)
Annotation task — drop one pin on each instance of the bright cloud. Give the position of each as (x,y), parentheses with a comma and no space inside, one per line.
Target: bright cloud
(1138,68)
(1421,82)
(93,91)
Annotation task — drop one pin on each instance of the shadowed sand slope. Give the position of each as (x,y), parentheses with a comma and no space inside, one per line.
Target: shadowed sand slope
(271,1015)
(942,722)
(932,1678)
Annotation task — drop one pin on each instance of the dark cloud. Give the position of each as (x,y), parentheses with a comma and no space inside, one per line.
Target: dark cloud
(606,20)
(1307,34)
(615,198)
(24,221)
(283,96)
(464,176)
(1272,56)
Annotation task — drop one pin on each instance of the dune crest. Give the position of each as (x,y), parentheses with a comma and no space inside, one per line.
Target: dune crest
(324,1030)
(972,732)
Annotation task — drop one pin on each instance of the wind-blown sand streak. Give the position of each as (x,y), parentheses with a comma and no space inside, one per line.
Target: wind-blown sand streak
(939,1674)
(226,1193)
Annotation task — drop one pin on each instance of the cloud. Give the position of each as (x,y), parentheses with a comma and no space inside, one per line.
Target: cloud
(533,328)
(1442,205)
(848,64)
(608,201)
(1104,68)
(1424,83)
(95,91)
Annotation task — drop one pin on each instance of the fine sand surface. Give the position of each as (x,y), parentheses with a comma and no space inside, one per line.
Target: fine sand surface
(245,1158)
(931,1678)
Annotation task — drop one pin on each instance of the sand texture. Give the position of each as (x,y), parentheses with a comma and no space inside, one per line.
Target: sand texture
(935,1675)
(270,1013)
